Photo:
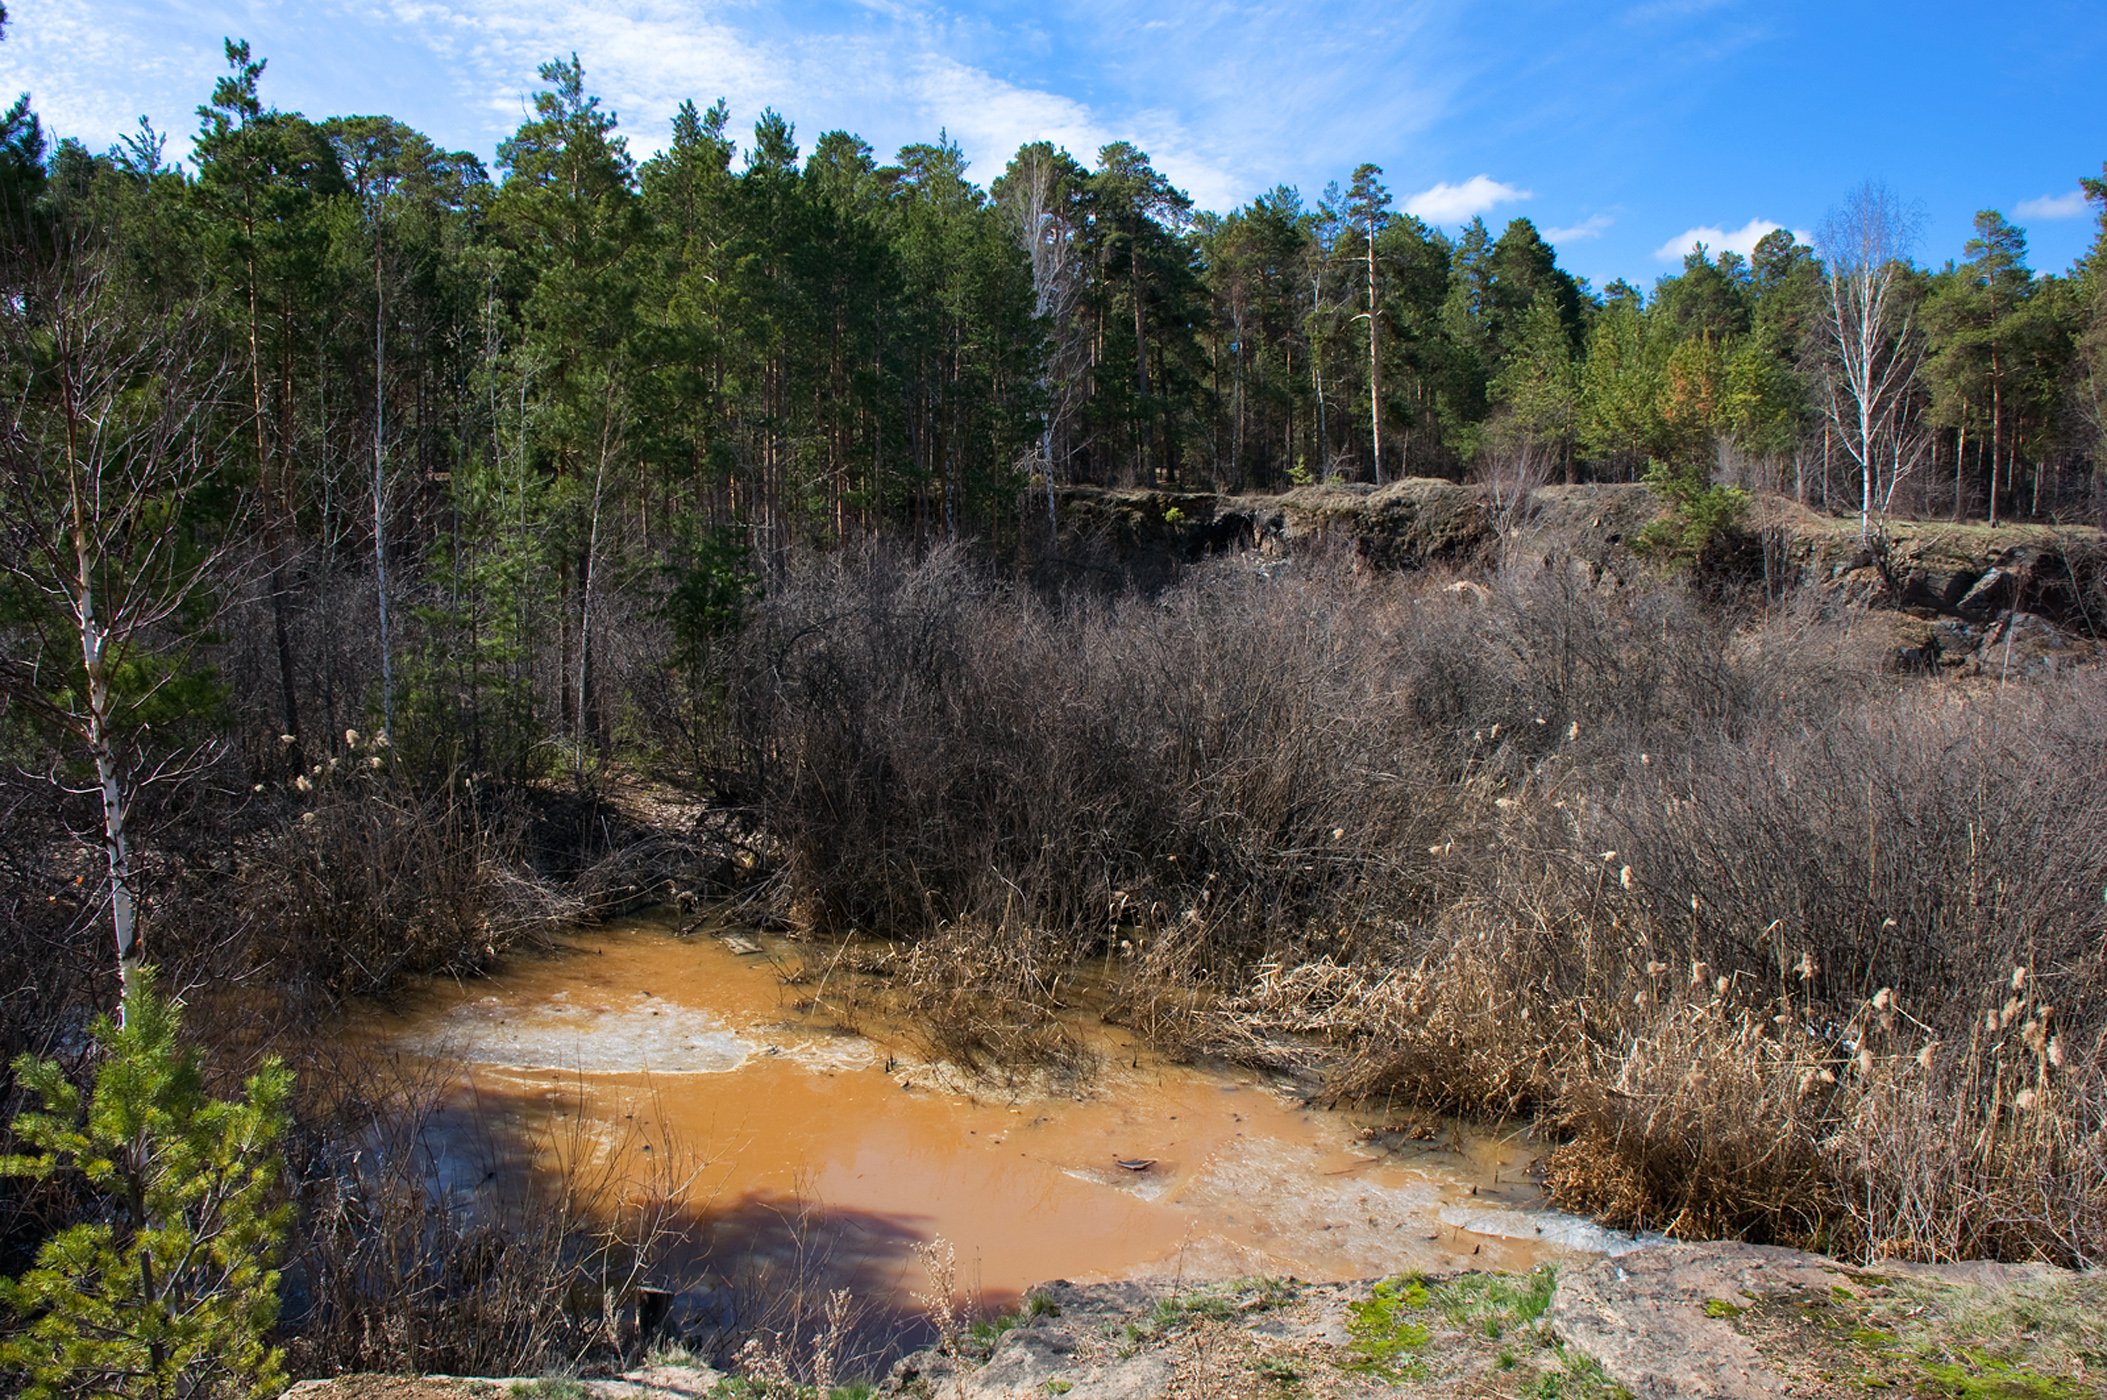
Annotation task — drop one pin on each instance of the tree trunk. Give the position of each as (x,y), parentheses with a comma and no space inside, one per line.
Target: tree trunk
(1145,470)
(1317,374)
(1375,370)
(117,850)
(274,543)
(380,514)
(1960,458)
(1996,429)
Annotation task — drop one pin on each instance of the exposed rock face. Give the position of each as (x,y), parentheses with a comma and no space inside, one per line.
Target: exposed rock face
(1939,589)
(1065,1342)
(1726,1320)
(1652,1317)
(1405,525)
(2035,596)
(2023,644)
(1104,1342)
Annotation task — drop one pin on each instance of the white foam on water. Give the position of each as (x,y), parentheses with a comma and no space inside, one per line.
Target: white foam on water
(1365,1218)
(1553,1227)
(646,1035)
(827,1054)
(1152,1184)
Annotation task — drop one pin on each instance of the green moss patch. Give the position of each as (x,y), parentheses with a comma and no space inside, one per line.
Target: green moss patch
(2042,1339)
(1477,1334)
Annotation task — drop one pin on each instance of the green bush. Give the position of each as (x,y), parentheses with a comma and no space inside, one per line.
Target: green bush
(1698,511)
(168,1289)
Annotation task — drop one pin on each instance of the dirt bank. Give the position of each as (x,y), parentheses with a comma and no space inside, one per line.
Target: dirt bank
(2033,593)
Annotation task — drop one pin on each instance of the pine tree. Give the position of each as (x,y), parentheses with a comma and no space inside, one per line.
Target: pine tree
(1368,204)
(170,1291)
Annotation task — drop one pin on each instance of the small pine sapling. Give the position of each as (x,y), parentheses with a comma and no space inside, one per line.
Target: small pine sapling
(168,1290)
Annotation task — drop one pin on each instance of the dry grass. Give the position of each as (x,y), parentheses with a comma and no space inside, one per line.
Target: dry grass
(989,999)
(1710,1125)
(1991,1147)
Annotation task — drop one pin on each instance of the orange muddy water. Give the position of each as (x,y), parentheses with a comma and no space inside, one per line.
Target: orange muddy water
(810,1143)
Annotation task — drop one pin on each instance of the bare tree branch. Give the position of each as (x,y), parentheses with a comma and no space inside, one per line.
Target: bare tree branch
(1876,346)
(114,425)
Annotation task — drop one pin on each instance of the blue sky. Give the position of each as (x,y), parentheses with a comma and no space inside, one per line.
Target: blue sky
(1621,130)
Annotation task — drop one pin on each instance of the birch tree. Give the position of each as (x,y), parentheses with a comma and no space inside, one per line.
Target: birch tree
(111,438)
(1873,344)
(1368,203)
(1324,229)
(1039,195)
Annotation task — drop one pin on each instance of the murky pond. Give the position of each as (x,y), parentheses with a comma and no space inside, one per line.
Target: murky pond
(848,1149)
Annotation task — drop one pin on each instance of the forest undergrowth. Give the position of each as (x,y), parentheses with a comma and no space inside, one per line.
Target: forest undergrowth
(1780,944)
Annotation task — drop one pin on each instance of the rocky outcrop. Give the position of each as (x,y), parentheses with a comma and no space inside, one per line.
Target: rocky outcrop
(1069,1342)
(2013,602)
(2017,600)
(1726,1320)
(1406,525)
(1148,534)
(1741,1321)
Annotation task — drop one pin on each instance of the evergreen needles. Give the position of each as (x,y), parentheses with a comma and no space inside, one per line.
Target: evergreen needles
(167,1288)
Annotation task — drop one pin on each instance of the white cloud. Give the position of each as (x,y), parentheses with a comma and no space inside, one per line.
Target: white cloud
(1455,204)
(1227,100)
(1590,227)
(901,78)
(1741,240)
(90,75)
(2053,206)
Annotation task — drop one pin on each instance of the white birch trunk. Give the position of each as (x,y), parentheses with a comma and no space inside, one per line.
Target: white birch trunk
(1375,371)
(95,731)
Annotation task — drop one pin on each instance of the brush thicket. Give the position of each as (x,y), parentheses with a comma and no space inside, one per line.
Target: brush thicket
(1608,853)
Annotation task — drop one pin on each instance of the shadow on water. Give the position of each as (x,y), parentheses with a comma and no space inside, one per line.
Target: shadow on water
(767,1263)
(485,1228)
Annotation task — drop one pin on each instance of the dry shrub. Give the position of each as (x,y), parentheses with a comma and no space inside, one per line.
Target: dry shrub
(770,1359)
(1929,842)
(1293,1016)
(1710,1125)
(655,868)
(373,881)
(1163,989)
(1694,1104)
(1511,469)
(931,747)
(801,1292)
(1557,662)
(1450,1035)
(1552,843)
(1991,1147)
(1873,1138)
(1666,941)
